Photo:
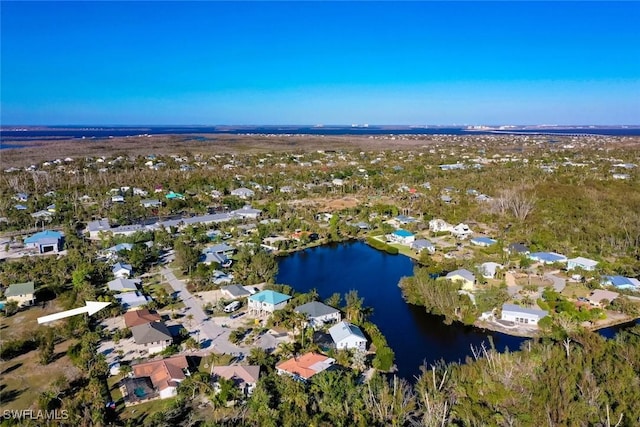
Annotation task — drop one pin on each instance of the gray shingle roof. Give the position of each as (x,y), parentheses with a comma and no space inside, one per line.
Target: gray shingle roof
(151,332)
(315,309)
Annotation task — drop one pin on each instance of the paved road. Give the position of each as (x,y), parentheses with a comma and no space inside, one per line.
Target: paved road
(218,335)
(558,282)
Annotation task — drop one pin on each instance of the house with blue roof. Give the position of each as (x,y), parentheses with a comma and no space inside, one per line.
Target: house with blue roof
(483,241)
(403,237)
(47,241)
(621,282)
(266,302)
(547,257)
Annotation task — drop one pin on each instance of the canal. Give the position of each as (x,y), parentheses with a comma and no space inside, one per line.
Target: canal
(414,335)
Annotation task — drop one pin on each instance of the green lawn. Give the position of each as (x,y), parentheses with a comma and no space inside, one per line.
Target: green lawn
(576,290)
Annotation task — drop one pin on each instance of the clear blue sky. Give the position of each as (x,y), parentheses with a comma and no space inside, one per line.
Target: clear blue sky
(318,62)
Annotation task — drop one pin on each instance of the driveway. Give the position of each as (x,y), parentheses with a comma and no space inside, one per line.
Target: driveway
(558,282)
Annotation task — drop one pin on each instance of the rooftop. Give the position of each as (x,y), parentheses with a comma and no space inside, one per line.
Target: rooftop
(270,297)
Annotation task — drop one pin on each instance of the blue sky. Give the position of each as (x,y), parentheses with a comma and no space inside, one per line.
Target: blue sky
(320,62)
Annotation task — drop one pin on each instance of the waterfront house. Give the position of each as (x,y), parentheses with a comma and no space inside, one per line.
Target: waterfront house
(348,336)
(21,293)
(483,241)
(174,196)
(318,314)
(157,379)
(139,317)
(522,315)
(583,263)
(267,302)
(600,297)
(403,237)
(47,241)
(547,257)
(467,278)
(305,366)
(123,285)
(423,244)
(152,336)
(244,377)
(621,282)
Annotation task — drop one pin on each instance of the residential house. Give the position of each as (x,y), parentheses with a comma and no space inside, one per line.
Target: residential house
(153,336)
(131,299)
(118,198)
(488,269)
(601,297)
(305,366)
(174,196)
(45,241)
(121,270)
(423,244)
(348,336)
(318,314)
(467,278)
(267,302)
(113,250)
(621,282)
(439,225)
(518,248)
(453,166)
(547,257)
(235,291)
(526,316)
(139,317)
(404,219)
(22,293)
(151,203)
(95,228)
(243,193)
(247,212)
(583,263)
(155,379)
(483,241)
(244,377)
(123,285)
(403,237)
(461,231)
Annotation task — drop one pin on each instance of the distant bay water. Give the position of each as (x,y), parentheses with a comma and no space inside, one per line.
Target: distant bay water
(16,134)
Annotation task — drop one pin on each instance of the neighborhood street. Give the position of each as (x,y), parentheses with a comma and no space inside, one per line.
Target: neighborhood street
(218,336)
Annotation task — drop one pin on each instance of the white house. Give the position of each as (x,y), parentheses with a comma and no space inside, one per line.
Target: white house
(318,314)
(488,269)
(526,316)
(461,231)
(439,225)
(123,285)
(267,301)
(403,237)
(244,377)
(22,293)
(583,263)
(347,336)
(121,270)
(131,299)
(423,244)
(243,193)
(45,241)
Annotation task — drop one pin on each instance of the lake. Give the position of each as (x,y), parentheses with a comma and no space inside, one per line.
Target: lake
(414,335)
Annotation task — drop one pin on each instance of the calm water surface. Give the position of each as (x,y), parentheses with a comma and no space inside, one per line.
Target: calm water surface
(414,335)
